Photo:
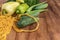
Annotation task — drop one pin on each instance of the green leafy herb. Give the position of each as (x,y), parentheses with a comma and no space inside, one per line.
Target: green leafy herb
(31,2)
(35,12)
(39,6)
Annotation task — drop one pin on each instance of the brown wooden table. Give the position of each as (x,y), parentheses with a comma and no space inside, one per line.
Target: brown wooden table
(49,25)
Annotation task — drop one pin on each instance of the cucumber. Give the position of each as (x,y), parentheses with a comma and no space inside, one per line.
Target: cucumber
(25,20)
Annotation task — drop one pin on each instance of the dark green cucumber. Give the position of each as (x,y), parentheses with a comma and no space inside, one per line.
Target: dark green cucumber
(25,20)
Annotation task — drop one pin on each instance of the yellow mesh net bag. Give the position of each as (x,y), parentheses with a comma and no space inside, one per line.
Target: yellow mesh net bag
(6,23)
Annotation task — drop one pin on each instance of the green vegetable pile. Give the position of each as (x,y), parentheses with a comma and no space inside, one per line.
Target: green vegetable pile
(31,7)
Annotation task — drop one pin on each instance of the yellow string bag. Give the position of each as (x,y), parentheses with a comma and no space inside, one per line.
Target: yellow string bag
(2,34)
(6,23)
(22,30)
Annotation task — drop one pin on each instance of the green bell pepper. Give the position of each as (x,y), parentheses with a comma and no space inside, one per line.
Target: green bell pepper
(22,8)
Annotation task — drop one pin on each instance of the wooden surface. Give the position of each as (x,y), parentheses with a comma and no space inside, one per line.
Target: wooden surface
(49,25)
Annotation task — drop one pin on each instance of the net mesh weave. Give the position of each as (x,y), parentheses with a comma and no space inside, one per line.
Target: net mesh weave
(5,26)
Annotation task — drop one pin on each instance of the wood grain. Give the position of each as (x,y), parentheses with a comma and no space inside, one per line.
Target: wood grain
(49,25)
